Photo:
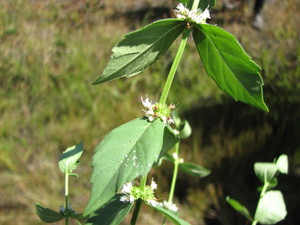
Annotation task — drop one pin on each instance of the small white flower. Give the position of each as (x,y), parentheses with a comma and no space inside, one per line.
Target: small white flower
(170,120)
(154,203)
(195,16)
(170,206)
(153,185)
(151,118)
(126,188)
(206,14)
(147,103)
(127,198)
(176,158)
(157,110)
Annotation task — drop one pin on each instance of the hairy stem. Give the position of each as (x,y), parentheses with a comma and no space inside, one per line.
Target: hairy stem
(174,67)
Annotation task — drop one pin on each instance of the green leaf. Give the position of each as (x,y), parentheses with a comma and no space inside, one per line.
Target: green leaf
(194,170)
(283,164)
(266,172)
(170,215)
(239,208)
(139,49)
(228,64)
(112,213)
(48,215)
(68,160)
(78,216)
(183,127)
(184,1)
(125,153)
(204,4)
(271,208)
(185,130)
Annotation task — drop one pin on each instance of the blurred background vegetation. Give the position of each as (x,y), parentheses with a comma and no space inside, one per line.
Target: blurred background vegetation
(52,50)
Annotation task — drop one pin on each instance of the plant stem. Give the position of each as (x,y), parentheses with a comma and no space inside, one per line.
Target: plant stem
(143,181)
(136,211)
(174,67)
(67,197)
(195,4)
(174,178)
(265,187)
(175,172)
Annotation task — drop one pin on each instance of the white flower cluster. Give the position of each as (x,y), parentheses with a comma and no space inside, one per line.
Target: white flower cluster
(127,197)
(132,193)
(193,16)
(157,110)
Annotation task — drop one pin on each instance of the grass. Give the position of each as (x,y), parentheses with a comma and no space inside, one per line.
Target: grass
(51,52)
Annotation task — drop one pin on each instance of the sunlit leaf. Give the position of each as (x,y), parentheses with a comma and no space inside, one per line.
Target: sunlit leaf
(271,208)
(182,126)
(194,169)
(68,161)
(139,49)
(125,153)
(112,213)
(170,215)
(266,172)
(239,208)
(48,215)
(228,64)
(283,164)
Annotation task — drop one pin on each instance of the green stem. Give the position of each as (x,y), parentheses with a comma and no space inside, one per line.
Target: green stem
(138,204)
(136,212)
(174,67)
(195,4)
(143,182)
(175,172)
(265,187)
(174,178)
(67,197)
(263,192)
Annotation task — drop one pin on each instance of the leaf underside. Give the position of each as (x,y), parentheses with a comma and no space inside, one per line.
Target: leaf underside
(125,153)
(68,160)
(228,64)
(141,48)
(111,213)
(271,208)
